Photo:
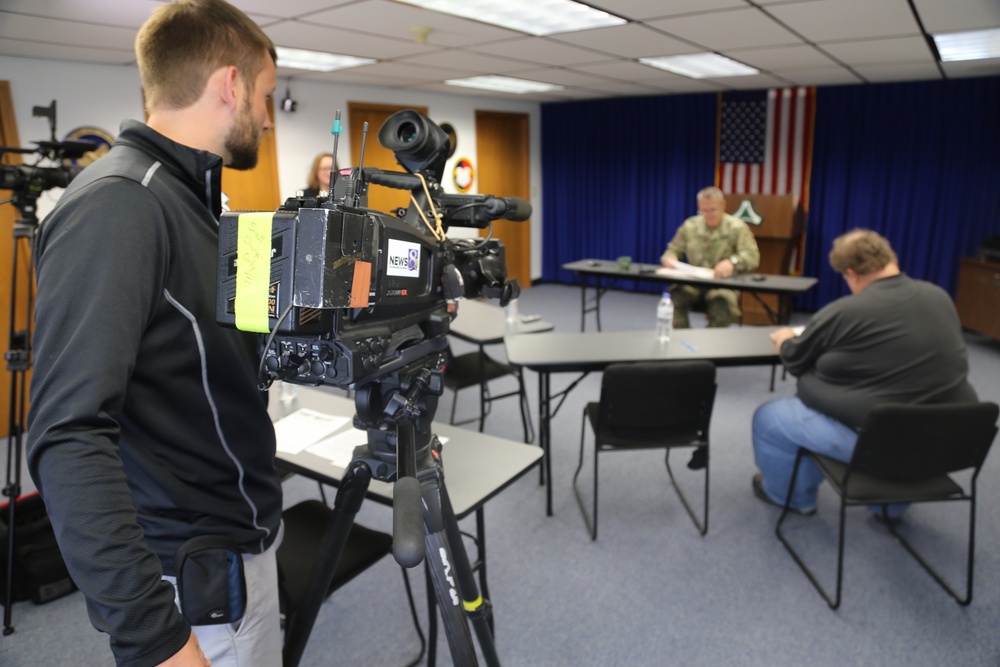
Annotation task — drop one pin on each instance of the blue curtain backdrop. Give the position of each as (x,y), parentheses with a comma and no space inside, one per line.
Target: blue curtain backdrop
(917,162)
(620,175)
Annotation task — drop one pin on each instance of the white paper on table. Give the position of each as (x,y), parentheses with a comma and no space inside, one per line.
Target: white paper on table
(303,428)
(798,330)
(339,449)
(682,269)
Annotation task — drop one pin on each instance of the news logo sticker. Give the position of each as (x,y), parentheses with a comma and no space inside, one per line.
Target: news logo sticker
(404,259)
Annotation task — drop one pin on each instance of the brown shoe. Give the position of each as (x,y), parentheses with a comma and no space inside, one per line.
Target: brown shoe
(758,490)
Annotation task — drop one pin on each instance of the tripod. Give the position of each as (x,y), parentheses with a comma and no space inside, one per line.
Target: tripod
(396,410)
(18,358)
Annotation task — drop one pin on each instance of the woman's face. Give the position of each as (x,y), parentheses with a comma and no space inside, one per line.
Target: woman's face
(323,172)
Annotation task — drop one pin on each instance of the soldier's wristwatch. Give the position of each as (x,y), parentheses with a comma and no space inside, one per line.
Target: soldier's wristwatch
(735,260)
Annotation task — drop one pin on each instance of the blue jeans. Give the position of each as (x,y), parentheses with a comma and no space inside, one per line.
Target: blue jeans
(780,427)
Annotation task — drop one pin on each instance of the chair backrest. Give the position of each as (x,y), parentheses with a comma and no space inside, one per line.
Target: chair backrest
(914,442)
(666,398)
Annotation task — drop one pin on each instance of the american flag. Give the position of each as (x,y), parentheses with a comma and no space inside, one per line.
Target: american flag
(765,141)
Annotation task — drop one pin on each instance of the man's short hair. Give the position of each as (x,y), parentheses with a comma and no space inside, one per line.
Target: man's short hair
(183,42)
(861,250)
(711,192)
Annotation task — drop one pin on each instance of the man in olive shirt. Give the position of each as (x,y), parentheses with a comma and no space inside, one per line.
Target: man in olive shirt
(716,240)
(893,340)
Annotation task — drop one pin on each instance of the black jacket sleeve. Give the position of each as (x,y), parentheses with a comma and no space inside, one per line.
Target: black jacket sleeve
(101,258)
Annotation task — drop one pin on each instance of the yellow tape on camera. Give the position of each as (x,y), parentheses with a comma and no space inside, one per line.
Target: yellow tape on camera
(253,270)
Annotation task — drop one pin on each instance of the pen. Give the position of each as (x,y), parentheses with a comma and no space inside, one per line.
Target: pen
(689,346)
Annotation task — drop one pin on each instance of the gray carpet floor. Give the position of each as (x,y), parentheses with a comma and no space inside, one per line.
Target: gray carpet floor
(650,590)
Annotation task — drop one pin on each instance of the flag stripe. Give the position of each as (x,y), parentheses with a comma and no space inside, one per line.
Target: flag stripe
(787,148)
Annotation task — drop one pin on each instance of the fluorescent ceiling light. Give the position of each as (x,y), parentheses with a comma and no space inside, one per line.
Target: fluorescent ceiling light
(504,84)
(700,65)
(969,45)
(535,17)
(317,61)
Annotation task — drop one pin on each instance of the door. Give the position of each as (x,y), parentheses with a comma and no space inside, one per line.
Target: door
(380,198)
(23,280)
(504,163)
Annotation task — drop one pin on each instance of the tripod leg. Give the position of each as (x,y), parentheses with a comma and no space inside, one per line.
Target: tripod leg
(454,583)
(350,495)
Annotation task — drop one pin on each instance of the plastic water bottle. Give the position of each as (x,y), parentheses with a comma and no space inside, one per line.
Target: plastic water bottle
(664,317)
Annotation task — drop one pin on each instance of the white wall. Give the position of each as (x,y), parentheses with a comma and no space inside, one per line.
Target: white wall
(103,95)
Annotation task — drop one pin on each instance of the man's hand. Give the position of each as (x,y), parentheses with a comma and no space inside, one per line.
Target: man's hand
(670,262)
(780,336)
(724,269)
(189,656)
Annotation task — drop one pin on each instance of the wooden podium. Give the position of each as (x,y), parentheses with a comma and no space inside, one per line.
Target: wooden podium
(778,227)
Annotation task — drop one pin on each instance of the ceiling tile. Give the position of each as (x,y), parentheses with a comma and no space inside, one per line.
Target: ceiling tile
(17,48)
(820,76)
(65,33)
(650,9)
(396,19)
(130,14)
(468,61)
(829,20)
(900,72)
(734,29)
(303,35)
(890,51)
(772,58)
(629,41)
(953,15)
(538,50)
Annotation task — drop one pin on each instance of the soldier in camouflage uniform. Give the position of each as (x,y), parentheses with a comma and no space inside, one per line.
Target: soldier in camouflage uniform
(712,239)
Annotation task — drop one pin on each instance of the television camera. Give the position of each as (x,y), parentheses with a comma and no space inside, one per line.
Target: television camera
(349,294)
(27,182)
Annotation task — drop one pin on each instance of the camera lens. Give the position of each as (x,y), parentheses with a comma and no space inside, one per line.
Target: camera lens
(407,132)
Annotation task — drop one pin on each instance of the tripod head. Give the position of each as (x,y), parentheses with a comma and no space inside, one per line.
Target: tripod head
(396,410)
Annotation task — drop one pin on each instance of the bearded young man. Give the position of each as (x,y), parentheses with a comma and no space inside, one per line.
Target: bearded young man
(146,428)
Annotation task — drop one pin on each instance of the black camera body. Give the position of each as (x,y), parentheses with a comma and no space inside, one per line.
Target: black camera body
(35,179)
(349,294)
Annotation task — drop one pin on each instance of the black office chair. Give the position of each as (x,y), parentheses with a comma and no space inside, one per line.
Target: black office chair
(906,454)
(651,405)
(478,369)
(305,525)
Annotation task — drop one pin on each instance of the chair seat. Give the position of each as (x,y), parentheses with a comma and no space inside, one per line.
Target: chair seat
(304,526)
(863,489)
(905,453)
(624,438)
(463,371)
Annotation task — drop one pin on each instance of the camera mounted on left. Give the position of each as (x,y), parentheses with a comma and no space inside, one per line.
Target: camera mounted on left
(27,182)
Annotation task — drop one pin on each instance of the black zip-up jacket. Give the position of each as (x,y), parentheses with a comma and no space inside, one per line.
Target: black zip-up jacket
(146,428)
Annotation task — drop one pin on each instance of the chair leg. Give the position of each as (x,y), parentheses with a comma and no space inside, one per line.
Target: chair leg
(454,404)
(591,527)
(529,431)
(702,526)
(834,603)
(970,562)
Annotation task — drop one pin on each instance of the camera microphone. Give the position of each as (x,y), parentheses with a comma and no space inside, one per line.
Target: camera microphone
(508,208)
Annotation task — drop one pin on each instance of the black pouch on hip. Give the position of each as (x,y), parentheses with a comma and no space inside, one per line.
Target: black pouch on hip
(210,581)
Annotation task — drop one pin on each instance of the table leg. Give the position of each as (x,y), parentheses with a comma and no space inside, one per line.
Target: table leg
(545,436)
(482,387)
